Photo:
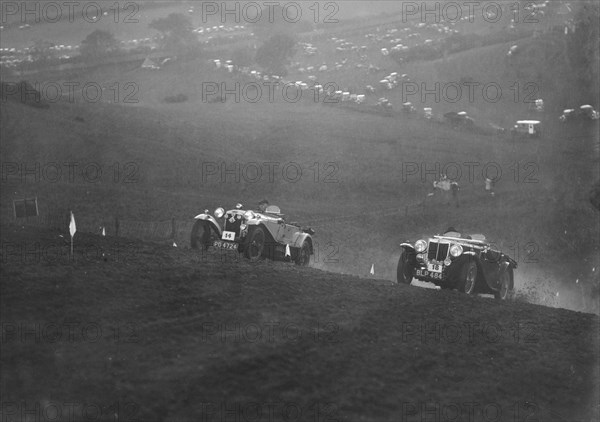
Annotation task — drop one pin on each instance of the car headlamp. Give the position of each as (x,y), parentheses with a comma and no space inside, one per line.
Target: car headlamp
(456,251)
(248,215)
(219,212)
(420,246)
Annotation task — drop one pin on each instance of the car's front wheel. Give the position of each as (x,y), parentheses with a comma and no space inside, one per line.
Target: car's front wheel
(404,273)
(468,278)
(505,285)
(256,244)
(200,236)
(303,258)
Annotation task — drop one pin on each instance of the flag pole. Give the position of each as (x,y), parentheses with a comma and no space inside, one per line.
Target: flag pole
(72,230)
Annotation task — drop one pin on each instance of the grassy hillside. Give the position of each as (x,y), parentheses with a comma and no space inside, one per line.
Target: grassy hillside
(164,334)
(168,145)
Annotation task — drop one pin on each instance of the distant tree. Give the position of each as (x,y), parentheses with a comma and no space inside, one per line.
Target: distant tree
(583,46)
(176,33)
(242,56)
(98,45)
(41,51)
(275,54)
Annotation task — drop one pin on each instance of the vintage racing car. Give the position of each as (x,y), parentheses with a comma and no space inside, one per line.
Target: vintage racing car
(255,234)
(454,261)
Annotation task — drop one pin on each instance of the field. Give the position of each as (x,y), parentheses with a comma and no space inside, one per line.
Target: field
(356,345)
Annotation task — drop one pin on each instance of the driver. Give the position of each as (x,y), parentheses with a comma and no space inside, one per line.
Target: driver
(262,205)
(451,232)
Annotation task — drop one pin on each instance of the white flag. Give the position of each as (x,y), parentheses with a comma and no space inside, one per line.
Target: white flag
(72,228)
(103,232)
(287,251)
(372,269)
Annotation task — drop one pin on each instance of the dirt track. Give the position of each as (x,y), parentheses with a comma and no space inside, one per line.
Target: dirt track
(168,334)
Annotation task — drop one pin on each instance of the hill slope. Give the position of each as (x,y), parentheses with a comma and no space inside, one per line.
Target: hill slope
(169,335)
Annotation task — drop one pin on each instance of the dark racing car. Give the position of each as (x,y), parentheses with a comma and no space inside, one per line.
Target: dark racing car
(453,261)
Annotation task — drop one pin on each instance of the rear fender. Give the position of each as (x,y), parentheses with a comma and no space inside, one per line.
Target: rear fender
(504,267)
(299,239)
(211,221)
(458,263)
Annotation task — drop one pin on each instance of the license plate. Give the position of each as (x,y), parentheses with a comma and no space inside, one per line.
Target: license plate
(434,268)
(228,235)
(428,274)
(225,245)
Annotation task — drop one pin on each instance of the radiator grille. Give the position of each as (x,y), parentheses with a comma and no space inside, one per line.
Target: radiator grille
(235,226)
(437,251)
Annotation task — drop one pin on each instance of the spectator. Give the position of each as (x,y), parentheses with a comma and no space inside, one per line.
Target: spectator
(455,188)
(489,186)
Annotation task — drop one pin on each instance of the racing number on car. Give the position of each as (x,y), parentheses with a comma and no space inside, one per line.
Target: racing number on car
(228,235)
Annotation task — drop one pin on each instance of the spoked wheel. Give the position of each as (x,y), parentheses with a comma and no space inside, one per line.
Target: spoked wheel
(468,278)
(404,273)
(200,236)
(505,285)
(256,244)
(303,258)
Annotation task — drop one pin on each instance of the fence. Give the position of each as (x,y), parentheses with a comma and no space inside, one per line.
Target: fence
(170,230)
(178,231)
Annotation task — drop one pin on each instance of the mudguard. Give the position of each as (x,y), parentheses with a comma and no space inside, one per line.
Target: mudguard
(299,238)
(503,268)
(261,223)
(211,220)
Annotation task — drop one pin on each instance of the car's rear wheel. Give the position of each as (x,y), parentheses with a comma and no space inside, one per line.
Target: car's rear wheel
(303,258)
(505,285)
(404,272)
(256,244)
(468,277)
(200,236)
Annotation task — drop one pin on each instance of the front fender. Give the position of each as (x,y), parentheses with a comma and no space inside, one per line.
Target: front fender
(211,220)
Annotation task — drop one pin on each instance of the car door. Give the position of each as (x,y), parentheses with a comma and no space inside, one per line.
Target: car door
(287,233)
